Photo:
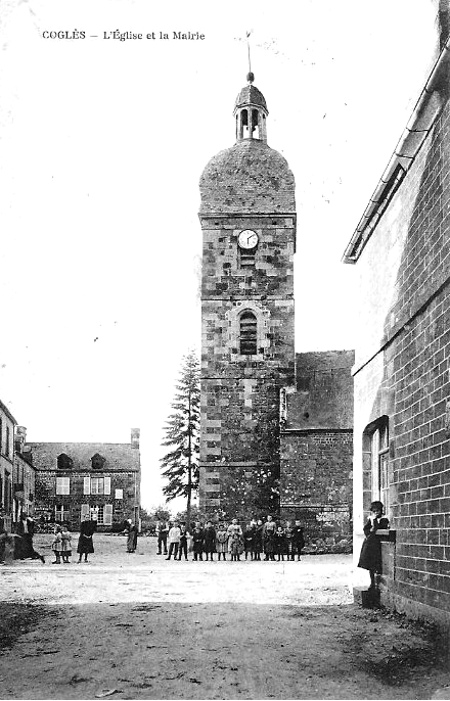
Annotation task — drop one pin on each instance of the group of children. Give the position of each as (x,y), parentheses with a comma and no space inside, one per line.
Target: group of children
(61,545)
(272,539)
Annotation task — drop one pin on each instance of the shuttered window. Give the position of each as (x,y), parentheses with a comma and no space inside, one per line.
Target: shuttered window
(87,485)
(248,333)
(107,515)
(63,485)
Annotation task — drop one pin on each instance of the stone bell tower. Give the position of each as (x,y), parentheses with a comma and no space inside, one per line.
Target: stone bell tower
(248,221)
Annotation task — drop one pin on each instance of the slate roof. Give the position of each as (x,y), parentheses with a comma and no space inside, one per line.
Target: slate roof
(249,95)
(249,177)
(118,456)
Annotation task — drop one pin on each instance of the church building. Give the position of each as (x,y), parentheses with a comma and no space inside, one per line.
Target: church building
(256,455)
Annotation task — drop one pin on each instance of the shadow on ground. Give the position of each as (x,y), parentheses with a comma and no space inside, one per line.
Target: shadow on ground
(215,651)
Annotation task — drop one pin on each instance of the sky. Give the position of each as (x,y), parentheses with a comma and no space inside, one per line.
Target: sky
(102,144)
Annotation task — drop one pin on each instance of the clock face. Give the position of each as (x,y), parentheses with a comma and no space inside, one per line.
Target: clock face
(248,239)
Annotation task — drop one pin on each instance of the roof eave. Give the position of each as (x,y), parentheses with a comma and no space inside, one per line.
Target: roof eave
(421,122)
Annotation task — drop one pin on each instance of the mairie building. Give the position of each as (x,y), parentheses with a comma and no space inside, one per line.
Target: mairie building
(74,480)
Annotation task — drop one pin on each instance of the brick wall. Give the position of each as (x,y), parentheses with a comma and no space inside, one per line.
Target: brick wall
(402,371)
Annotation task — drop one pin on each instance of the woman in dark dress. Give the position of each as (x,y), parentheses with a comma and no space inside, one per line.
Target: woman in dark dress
(25,548)
(85,542)
(370,557)
(132,535)
(209,540)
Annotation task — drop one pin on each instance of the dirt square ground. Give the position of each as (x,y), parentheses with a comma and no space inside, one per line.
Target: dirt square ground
(135,626)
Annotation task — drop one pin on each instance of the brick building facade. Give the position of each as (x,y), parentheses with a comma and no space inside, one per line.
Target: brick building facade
(402,386)
(248,220)
(75,479)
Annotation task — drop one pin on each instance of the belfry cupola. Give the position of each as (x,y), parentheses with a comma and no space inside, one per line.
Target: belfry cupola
(250,112)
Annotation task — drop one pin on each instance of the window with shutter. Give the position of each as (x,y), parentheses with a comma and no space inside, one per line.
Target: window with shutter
(63,485)
(107,485)
(87,485)
(248,333)
(84,511)
(107,514)
(97,485)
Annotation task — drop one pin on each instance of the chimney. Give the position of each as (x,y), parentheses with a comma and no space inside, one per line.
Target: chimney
(20,438)
(135,434)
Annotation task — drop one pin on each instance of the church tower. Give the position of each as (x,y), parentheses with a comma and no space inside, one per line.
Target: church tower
(248,221)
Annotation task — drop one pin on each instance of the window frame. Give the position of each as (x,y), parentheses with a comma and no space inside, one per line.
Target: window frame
(61,481)
(253,339)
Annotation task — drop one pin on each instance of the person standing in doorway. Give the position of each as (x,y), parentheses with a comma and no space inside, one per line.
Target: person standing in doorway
(370,557)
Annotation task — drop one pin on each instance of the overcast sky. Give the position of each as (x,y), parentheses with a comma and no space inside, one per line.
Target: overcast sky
(102,145)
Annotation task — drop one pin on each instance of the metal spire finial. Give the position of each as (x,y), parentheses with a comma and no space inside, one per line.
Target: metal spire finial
(250,75)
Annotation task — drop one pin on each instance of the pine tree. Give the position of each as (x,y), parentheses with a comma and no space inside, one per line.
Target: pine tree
(182,434)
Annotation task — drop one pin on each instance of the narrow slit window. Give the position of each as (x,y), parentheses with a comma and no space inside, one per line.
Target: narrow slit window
(248,334)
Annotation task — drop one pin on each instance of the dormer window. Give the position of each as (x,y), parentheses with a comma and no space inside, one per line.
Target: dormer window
(97,462)
(64,462)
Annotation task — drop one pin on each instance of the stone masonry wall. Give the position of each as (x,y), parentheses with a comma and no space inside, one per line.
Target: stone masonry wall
(316,484)
(239,393)
(47,499)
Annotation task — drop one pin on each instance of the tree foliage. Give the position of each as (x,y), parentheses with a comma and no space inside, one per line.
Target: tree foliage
(182,434)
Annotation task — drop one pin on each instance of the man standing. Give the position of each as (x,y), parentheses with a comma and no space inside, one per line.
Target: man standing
(298,540)
(174,541)
(161,533)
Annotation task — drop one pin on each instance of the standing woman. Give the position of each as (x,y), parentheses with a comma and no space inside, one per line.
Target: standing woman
(370,557)
(268,533)
(209,540)
(85,541)
(132,536)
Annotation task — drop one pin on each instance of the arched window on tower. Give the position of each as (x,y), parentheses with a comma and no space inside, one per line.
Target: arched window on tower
(248,327)
(244,132)
(255,125)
